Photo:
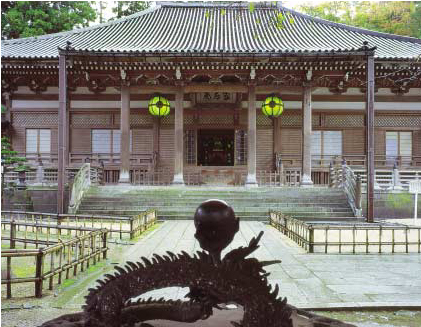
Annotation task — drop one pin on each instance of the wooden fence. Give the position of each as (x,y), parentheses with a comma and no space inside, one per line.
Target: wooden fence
(58,258)
(129,226)
(344,237)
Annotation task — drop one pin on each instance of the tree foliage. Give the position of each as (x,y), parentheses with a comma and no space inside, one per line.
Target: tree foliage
(32,18)
(8,155)
(396,17)
(126,8)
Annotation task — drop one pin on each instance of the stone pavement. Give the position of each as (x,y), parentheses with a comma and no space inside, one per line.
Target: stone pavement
(307,280)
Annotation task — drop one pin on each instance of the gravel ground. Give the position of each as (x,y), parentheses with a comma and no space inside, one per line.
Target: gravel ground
(30,317)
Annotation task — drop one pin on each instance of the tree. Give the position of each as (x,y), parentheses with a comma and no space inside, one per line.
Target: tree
(126,8)
(31,18)
(102,6)
(395,17)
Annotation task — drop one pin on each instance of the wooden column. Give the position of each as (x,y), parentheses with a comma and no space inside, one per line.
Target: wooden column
(251,180)
(178,137)
(67,127)
(156,123)
(370,137)
(125,135)
(62,123)
(306,138)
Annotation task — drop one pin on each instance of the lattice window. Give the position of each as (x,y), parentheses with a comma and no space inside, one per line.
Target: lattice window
(290,120)
(188,120)
(240,147)
(168,120)
(216,120)
(262,120)
(38,141)
(325,145)
(141,120)
(398,121)
(80,120)
(398,144)
(107,141)
(344,121)
(35,119)
(190,147)
(315,120)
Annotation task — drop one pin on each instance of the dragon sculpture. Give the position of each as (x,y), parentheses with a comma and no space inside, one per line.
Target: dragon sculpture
(212,281)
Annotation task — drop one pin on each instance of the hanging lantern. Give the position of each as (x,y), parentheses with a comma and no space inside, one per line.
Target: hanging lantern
(272,107)
(159,106)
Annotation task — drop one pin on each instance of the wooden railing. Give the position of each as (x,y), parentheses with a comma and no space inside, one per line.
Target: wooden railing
(48,176)
(120,226)
(145,160)
(343,237)
(142,222)
(57,259)
(391,179)
(354,160)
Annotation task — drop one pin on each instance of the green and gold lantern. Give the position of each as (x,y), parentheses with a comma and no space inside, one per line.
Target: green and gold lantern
(272,107)
(159,106)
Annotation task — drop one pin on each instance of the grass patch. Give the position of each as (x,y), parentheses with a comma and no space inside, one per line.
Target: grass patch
(146,232)
(399,200)
(67,283)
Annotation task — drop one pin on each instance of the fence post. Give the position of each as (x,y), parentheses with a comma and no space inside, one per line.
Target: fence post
(12,234)
(331,172)
(310,239)
(39,273)
(131,228)
(8,277)
(104,245)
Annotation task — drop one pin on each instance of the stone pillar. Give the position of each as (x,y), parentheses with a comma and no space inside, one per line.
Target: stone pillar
(125,135)
(251,138)
(178,137)
(306,139)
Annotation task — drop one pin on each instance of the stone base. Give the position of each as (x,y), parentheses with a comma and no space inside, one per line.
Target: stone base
(306,181)
(178,180)
(251,181)
(124,177)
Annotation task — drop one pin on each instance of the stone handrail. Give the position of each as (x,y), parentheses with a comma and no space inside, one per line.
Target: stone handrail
(344,177)
(81,183)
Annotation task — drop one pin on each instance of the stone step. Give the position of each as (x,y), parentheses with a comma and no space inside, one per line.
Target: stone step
(248,208)
(181,203)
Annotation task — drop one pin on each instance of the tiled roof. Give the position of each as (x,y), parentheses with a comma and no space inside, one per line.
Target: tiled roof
(206,28)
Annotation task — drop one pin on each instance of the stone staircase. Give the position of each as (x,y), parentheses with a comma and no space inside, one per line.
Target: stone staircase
(248,204)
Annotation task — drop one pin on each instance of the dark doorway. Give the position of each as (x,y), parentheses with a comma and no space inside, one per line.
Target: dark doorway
(215,147)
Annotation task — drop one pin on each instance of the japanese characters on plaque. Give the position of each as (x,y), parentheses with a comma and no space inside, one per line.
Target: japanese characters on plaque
(215,97)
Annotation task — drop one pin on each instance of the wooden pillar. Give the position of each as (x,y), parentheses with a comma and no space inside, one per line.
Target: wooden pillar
(156,123)
(251,180)
(306,138)
(178,137)
(62,123)
(125,135)
(370,137)
(67,127)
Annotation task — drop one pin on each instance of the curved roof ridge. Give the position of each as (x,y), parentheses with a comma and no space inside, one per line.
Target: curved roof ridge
(80,30)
